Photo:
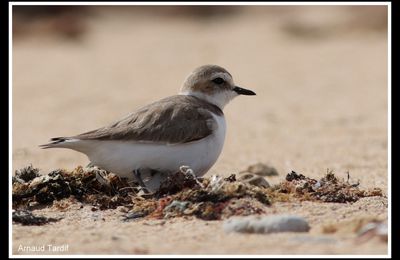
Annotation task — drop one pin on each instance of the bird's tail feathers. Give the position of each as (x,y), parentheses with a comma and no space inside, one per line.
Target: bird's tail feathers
(55,142)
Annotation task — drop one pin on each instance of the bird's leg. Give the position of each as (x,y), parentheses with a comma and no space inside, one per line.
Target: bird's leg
(138,177)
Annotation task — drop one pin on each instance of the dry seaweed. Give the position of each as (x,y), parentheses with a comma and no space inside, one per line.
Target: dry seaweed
(175,183)
(81,183)
(181,194)
(27,218)
(25,174)
(210,201)
(327,189)
(231,178)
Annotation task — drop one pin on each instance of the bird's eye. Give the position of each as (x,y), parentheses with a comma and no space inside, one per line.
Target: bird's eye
(218,81)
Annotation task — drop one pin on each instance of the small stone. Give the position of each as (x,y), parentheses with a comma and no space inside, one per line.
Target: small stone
(254,180)
(314,239)
(261,169)
(373,229)
(266,224)
(134,215)
(255,174)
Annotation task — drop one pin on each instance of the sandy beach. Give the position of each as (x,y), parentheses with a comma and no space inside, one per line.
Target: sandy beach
(320,74)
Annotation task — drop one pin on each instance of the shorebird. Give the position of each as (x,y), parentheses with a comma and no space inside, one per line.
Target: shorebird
(155,140)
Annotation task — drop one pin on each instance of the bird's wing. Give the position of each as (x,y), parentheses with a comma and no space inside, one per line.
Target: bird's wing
(173,120)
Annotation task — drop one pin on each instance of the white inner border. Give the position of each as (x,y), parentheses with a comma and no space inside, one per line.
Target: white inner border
(388,4)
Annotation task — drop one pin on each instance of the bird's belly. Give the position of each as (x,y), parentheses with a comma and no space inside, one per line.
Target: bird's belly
(122,157)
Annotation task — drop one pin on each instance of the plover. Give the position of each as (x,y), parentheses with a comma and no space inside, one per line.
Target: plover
(154,141)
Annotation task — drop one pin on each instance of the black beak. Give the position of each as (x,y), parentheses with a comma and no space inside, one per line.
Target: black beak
(243,91)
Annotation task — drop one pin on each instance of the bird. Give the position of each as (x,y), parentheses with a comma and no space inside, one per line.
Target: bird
(157,139)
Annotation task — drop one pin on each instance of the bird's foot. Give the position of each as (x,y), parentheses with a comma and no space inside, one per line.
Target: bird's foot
(142,187)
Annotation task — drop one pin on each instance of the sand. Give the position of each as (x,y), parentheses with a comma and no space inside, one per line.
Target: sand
(321,84)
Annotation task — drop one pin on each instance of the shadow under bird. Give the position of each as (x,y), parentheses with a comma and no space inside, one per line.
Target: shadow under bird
(155,140)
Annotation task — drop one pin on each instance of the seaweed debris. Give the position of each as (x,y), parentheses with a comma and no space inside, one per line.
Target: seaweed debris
(181,194)
(89,185)
(328,189)
(25,174)
(211,199)
(27,218)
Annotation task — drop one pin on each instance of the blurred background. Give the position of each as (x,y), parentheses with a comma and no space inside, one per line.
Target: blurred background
(320,74)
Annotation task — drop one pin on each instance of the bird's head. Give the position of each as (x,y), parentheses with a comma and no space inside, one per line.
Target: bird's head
(213,84)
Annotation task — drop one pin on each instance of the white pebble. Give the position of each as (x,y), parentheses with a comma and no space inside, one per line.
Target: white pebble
(266,224)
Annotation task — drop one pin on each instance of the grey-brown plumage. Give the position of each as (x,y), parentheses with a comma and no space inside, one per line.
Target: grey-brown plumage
(172,120)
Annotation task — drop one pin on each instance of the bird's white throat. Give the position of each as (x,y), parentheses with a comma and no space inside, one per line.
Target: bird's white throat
(219,99)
